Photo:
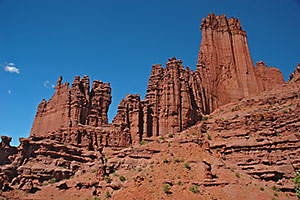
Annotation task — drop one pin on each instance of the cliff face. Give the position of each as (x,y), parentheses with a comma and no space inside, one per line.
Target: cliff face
(176,97)
(225,65)
(295,77)
(72,106)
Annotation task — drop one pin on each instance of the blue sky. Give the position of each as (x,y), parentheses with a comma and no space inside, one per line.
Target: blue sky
(118,42)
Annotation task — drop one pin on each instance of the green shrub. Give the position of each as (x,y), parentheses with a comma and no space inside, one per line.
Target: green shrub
(93,170)
(285,111)
(162,138)
(232,110)
(107,194)
(150,180)
(142,142)
(275,194)
(194,189)
(262,189)
(139,169)
(107,178)
(237,175)
(236,116)
(179,183)
(170,135)
(187,165)
(122,178)
(169,144)
(167,189)
(194,133)
(296,181)
(204,118)
(53,180)
(208,136)
(166,160)
(275,188)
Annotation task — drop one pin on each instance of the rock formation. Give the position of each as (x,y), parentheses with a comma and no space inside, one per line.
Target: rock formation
(295,77)
(176,97)
(251,127)
(225,65)
(268,77)
(70,107)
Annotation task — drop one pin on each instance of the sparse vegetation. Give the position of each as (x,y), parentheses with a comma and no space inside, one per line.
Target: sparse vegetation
(166,160)
(107,194)
(169,144)
(170,135)
(193,133)
(232,110)
(93,170)
(142,142)
(237,175)
(236,116)
(187,165)
(167,189)
(122,178)
(275,194)
(194,189)
(96,198)
(179,183)
(204,118)
(115,174)
(162,138)
(150,180)
(107,178)
(296,181)
(139,169)
(53,180)
(275,188)
(208,136)
(262,189)
(285,111)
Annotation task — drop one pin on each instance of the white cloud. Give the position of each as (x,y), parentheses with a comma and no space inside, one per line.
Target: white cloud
(11,68)
(48,84)
(9,91)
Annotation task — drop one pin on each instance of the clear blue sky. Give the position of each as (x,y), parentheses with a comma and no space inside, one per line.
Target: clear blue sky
(118,42)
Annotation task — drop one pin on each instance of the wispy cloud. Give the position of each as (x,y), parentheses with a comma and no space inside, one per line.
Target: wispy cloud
(48,84)
(11,68)
(9,91)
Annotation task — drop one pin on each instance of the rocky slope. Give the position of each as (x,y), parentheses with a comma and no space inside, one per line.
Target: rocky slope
(228,130)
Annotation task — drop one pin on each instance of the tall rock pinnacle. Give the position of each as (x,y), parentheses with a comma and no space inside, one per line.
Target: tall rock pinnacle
(224,62)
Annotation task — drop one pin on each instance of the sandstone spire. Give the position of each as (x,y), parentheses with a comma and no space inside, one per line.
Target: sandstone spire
(224,64)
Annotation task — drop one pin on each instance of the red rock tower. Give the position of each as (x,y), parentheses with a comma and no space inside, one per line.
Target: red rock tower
(224,64)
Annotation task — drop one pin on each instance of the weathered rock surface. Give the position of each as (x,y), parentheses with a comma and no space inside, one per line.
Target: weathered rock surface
(295,77)
(70,107)
(225,65)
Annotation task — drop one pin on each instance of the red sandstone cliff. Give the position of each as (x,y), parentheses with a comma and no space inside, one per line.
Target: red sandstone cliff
(225,65)
(72,106)
(176,97)
(295,77)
